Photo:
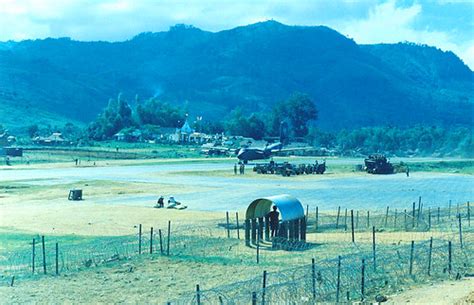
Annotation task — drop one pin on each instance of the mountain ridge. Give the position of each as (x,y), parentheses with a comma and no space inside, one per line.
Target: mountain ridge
(251,66)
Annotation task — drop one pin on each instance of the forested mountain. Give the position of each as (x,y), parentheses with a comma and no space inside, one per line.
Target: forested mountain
(251,66)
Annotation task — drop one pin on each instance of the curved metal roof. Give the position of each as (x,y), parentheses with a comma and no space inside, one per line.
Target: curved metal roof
(290,208)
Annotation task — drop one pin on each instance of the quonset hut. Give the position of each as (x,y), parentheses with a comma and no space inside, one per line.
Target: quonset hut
(292,219)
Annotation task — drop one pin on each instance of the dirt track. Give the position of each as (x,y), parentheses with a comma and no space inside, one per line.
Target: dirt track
(444,293)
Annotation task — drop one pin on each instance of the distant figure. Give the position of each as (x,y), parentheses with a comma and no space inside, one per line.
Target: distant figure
(172,203)
(235,168)
(242,166)
(7,160)
(77,160)
(274,220)
(408,171)
(160,203)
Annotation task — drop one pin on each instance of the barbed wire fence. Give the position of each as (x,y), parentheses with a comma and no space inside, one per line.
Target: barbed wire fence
(399,264)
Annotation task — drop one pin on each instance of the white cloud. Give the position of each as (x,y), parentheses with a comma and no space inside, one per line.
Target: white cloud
(367,21)
(388,23)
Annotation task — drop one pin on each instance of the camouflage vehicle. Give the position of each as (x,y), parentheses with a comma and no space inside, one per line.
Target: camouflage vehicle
(320,168)
(287,169)
(378,164)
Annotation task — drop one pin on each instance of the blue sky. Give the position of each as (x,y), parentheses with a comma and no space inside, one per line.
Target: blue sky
(448,25)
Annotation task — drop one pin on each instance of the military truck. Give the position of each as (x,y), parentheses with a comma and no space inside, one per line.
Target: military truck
(288,169)
(378,164)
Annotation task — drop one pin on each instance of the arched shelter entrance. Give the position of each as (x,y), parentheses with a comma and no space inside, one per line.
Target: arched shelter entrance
(292,224)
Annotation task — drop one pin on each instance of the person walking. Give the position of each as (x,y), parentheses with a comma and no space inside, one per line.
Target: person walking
(408,171)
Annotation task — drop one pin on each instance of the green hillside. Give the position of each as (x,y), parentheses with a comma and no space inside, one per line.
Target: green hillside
(252,66)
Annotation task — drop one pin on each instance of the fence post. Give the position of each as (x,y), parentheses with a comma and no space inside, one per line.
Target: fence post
(337,217)
(303,229)
(468,215)
(264,286)
(168,241)
(317,220)
(362,284)
(438,213)
(368,219)
(395,219)
(12,281)
(247,232)
(460,230)
(227,227)
(258,247)
(161,241)
(267,227)
(33,254)
(413,216)
(57,259)
(412,249)
(198,295)
(345,220)
(44,254)
(373,248)
(357,219)
(260,229)
(405,218)
(254,230)
(429,219)
(140,239)
(449,209)
(352,226)
(386,216)
(338,286)
(419,207)
(307,211)
(254,298)
(237,221)
(429,256)
(450,254)
(151,240)
(313,278)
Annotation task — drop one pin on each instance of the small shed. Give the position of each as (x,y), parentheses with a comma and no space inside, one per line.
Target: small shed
(292,225)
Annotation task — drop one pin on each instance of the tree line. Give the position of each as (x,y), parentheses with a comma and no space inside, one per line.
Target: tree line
(419,140)
(298,110)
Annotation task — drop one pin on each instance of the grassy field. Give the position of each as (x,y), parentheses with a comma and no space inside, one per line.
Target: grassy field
(211,261)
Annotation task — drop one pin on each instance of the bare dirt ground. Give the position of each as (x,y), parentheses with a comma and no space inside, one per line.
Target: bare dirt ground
(124,197)
(444,293)
(152,281)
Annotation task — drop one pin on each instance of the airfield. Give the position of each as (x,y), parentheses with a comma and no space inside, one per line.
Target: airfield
(120,194)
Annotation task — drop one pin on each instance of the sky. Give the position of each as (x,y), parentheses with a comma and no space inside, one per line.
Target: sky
(448,25)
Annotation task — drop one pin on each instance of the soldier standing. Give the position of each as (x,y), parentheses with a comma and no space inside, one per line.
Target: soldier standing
(235,168)
(274,220)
